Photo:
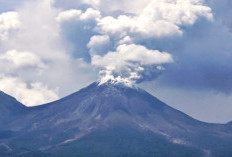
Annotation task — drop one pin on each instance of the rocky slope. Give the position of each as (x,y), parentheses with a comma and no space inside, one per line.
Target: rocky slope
(108,120)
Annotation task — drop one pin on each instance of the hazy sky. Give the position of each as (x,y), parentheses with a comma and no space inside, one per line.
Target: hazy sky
(179,50)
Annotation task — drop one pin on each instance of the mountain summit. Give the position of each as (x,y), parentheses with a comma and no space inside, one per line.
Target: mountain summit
(112,119)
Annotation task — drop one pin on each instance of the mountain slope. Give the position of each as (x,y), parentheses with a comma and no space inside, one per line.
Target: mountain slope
(114,120)
(10,112)
(9,108)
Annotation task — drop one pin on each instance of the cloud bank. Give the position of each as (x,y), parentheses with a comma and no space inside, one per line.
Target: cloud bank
(108,35)
(177,43)
(33,56)
(129,63)
(31,94)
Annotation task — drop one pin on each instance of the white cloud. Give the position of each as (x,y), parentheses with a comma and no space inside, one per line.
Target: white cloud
(160,18)
(91,14)
(157,19)
(129,62)
(96,33)
(135,53)
(35,55)
(109,6)
(21,59)
(68,15)
(98,44)
(74,14)
(180,12)
(8,21)
(127,26)
(30,94)
(92,2)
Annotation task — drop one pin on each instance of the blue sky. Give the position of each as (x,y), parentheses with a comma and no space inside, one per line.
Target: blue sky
(179,50)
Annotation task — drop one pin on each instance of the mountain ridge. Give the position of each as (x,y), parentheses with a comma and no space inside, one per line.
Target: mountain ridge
(96,116)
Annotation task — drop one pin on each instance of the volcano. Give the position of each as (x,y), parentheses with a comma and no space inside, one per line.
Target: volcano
(107,120)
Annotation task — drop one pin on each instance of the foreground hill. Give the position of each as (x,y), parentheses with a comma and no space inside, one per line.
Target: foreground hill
(108,120)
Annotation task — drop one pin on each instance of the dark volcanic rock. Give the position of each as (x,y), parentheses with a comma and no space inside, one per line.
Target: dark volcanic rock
(109,120)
